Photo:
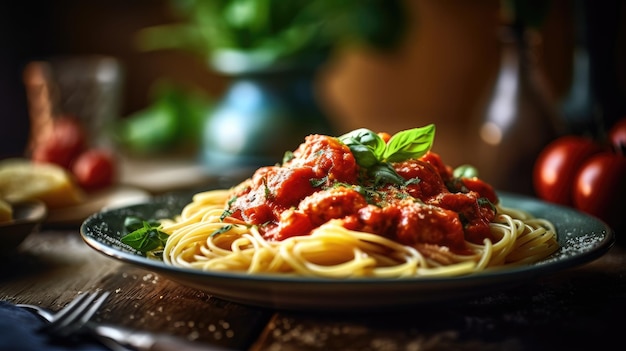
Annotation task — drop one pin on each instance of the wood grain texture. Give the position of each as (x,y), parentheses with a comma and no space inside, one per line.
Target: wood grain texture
(575,309)
(53,267)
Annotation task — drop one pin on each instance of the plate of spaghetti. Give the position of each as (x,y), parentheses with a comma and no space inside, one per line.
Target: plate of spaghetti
(361,220)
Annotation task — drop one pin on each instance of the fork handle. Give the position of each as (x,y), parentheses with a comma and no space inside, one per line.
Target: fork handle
(169,343)
(145,341)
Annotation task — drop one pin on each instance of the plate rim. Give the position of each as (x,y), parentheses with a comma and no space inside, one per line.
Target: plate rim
(510,274)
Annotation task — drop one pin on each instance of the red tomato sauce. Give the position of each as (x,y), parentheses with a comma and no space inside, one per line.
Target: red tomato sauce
(323,181)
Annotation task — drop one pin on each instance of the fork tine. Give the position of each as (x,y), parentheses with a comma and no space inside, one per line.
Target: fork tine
(94,308)
(75,314)
(67,310)
(69,313)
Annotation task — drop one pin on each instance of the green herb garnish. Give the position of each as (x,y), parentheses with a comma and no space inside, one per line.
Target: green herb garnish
(222,230)
(228,211)
(374,155)
(318,182)
(465,171)
(483,201)
(288,156)
(132,223)
(143,235)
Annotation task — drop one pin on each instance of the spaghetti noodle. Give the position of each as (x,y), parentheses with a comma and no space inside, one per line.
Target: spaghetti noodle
(322,213)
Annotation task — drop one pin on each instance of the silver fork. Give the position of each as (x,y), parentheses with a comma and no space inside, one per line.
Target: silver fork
(74,315)
(71,318)
(74,318)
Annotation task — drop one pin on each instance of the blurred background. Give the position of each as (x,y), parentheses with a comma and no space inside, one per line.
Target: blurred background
(446,68)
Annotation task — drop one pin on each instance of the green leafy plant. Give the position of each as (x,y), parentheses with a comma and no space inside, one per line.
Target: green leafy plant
(273,31)
(170,122)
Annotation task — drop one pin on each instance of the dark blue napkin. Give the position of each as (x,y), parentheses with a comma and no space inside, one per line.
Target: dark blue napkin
(18,332)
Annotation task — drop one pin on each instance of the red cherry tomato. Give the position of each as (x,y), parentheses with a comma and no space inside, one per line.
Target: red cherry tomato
(617,136)
(64,143)
(600,188)
(556,165)
(94,169)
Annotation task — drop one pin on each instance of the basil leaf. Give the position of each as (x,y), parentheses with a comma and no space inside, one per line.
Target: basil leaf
(366,146)
(408,144)
(372,153)
(465,171)
(366,138)
(383,173)
(146,238)
(132,223)
(363,155)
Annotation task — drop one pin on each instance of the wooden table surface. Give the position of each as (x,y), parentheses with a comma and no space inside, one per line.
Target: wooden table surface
(579,308)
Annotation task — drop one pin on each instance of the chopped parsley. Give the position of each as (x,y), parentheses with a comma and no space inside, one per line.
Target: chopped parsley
(228,211)
(318,182)
(222,230)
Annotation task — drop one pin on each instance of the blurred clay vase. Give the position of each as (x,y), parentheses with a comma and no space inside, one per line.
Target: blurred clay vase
(266,111)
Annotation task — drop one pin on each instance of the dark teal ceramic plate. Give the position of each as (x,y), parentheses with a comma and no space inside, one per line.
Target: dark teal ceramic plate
(582,239)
